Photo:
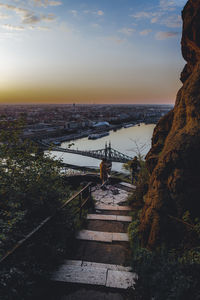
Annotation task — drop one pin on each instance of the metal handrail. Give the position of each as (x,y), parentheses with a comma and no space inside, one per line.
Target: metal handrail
(48,219)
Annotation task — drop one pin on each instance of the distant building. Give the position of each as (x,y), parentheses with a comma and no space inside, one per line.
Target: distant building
(73,125)
(123,116)
(101,125)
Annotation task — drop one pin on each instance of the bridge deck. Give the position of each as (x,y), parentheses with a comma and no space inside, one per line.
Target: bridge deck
(110,153)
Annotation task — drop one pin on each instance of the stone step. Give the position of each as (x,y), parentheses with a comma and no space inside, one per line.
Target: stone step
(109,217)
(120,237)
(110,207)
(82,263)
(106,253)
(98,236)
(80,292)
(128,185)
(106,266)
(80,272)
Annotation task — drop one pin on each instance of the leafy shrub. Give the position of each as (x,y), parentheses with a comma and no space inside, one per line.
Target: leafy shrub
(31,186)
(137,197)
(163,273)
(31,189)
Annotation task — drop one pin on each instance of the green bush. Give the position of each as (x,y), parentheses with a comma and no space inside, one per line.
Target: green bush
(26,270)
(164,274)
(137,197)
(31,189)
(31,186)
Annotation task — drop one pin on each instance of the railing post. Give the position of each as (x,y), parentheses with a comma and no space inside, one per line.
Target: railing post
(90,194)
(80,205)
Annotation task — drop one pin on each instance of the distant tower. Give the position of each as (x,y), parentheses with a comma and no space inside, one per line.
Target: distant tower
(106,150)
(109,150)
(74,107)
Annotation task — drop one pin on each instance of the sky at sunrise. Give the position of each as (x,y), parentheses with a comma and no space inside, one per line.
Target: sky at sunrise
(90,51)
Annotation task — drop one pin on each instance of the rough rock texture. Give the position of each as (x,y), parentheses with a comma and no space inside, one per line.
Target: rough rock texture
(191,37)
(174,159)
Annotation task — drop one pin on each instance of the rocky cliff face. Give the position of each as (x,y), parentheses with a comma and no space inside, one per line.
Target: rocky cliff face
(174,159)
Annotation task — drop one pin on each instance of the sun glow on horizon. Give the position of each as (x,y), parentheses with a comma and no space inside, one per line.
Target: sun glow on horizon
(83,52)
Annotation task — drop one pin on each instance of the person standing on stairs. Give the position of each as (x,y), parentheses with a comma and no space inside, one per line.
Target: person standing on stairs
(135,167)
(103,171)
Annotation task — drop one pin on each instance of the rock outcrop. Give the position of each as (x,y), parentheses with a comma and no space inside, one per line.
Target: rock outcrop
(174,159)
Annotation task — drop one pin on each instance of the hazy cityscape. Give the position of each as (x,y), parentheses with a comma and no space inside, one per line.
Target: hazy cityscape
(75,121)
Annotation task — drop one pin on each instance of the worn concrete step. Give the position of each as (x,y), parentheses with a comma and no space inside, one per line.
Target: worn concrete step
(109,217)
(78,274)
(112,207)
(93,293)
(112,276)
(82,263)
(121,279)
(112,212)
(120,237)
(106,253)
(127,185)
(106,237)
(107,226)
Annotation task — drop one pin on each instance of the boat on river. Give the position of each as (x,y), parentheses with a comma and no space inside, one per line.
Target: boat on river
(96,136)
(56,143)
(128,125)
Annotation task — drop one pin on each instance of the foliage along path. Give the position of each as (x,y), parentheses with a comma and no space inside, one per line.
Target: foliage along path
(97,269)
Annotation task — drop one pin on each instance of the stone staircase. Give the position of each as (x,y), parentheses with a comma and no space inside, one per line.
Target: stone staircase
(102,249)
(106,275)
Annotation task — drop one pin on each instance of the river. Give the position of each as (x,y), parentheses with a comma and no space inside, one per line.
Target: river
(129,141)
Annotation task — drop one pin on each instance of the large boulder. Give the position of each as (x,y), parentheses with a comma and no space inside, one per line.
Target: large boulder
(174,159)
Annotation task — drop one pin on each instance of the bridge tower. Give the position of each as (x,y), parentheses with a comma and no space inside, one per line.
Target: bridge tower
(109,151)
(106,150)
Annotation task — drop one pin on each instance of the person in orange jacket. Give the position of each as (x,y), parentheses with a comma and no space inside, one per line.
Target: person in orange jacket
(103,171)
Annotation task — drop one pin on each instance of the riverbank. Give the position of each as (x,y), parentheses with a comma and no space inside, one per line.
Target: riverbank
(76,171)
(86,133)
(126,140)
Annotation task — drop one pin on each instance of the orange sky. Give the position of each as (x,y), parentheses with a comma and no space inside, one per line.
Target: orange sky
(83,52)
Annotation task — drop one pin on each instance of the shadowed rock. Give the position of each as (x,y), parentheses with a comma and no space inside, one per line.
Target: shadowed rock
(174,159)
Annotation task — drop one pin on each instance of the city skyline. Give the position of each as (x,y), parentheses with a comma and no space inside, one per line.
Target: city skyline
(90,51)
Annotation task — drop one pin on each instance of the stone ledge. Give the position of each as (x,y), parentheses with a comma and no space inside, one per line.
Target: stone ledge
(112,276)
(110,207)
(98,236)
(109,217)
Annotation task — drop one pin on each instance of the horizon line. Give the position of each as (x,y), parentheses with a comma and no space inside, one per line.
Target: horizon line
(84,103)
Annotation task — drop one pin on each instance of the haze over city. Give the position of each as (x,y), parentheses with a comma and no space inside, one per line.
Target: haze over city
(117,51)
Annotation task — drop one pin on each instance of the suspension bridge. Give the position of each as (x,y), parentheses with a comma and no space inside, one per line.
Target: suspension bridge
(108,152)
